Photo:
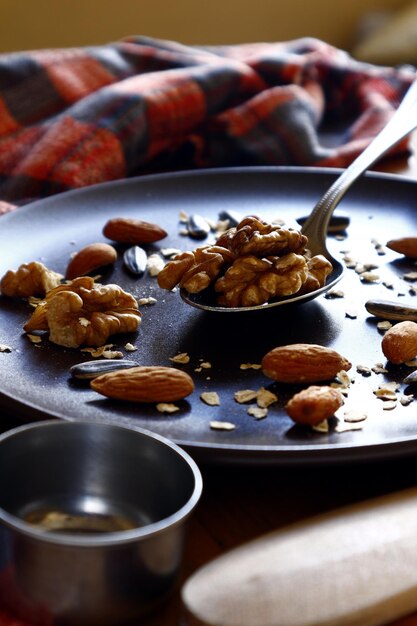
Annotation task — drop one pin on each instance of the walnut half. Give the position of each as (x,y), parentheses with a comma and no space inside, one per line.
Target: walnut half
(82,313)
(30,279)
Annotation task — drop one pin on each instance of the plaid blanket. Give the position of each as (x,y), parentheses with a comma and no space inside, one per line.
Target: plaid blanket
(75,117)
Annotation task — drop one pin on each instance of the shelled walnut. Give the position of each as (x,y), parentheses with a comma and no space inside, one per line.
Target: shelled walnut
(84,313)
(30,279)
(249,265)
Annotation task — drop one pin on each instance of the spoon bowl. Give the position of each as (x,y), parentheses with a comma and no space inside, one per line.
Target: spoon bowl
(402,122)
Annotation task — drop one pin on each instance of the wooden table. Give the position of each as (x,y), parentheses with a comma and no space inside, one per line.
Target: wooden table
(240,503)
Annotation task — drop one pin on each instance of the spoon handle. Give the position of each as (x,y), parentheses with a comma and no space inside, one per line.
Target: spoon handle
(403,121)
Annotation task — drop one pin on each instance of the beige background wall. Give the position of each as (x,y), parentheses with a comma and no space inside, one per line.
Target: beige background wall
(29,24)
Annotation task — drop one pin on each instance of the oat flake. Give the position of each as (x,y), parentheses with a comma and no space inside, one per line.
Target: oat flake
(210,397)
(265,398)
(353,416)
(218,425)
(389,405)
(167,407)
(258,412)
(343,427)
(182,358)
(4,348)
(250,366)
(245,395)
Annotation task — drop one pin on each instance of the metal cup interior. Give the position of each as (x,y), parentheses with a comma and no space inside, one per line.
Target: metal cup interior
(116,500)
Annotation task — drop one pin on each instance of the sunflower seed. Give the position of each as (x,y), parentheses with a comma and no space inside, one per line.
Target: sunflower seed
(135,260)
(233,217)
(92,369)
(198,227)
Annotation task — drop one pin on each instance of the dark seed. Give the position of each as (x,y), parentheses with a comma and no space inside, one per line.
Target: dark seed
(411,378)
(233,217)
(337,223)
(198,227)
(135,260)
(391,310)
(92,369)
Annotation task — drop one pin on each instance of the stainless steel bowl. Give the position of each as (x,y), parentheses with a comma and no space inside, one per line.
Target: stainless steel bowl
(92,520)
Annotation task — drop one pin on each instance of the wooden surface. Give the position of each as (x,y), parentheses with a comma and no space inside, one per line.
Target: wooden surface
(241,503)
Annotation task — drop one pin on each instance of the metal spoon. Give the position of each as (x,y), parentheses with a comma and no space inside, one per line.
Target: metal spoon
(401,124)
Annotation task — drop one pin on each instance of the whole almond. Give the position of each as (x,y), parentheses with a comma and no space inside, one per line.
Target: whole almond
(303,362)
(404,245)
(90,258)
(399,344)
(314,404)
(150,383)
(133,231)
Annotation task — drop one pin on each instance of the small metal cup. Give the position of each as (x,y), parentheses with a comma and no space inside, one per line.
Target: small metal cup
(88,474)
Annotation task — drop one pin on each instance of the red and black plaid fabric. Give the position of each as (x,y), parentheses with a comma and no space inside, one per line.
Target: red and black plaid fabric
(75,117)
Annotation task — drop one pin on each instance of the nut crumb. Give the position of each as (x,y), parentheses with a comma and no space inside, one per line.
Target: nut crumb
(83,321)
(265,398)
(167,407)
(405,399)
(245,395)
(389,405)
(353,416)
(378,368)
(155,264)
(181,357)
(364,370)
(97,352)
(219,425)
(384,325)
(146,301)
(4,348)
(34,338)
(258,412)
(334,293)
(112,354)
(250,366)
(129,347)
(369,277)
(211,398)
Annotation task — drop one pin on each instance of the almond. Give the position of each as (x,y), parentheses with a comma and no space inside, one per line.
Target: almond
(152,383)
(303,362)
(314,404)
(404,245)
(90,258)
(399,344)
(133,231)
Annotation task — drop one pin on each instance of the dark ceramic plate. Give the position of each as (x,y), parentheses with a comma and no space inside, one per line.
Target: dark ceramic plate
(35,381)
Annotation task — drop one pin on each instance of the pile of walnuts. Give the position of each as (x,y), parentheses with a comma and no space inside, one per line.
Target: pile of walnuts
(249,265)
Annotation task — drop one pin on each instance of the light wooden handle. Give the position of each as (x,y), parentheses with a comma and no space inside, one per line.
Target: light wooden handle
(354,566)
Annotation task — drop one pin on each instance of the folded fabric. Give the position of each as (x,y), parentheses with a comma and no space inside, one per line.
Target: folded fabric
(75,117)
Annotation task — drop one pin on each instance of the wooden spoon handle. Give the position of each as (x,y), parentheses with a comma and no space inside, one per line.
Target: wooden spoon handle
(354,566)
